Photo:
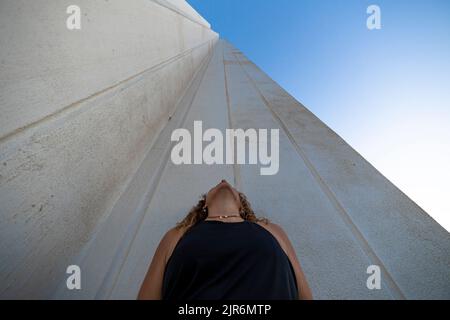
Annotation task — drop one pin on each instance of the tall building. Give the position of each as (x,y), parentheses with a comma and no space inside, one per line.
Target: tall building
(86,176)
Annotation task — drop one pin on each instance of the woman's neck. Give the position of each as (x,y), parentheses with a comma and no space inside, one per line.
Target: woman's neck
(220,208)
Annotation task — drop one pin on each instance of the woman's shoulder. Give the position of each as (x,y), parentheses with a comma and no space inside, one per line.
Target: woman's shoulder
(170,240)
(272,227)
(277,231)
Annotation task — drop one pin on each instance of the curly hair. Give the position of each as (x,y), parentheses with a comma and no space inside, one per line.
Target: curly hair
(196,214)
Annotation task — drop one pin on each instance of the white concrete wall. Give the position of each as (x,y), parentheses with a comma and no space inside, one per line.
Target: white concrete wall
(79,111)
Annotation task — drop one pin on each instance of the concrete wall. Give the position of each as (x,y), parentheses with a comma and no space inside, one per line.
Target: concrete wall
(79,111)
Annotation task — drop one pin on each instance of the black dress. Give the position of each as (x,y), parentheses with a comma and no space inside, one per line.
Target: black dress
(217,260)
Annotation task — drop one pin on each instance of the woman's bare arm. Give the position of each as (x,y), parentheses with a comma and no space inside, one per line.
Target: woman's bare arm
(304,291)
(152,284)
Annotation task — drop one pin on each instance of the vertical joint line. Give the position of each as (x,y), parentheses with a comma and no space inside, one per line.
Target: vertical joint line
(237,180)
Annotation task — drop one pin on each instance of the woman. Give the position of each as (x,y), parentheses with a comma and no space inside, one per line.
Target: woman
(221,251)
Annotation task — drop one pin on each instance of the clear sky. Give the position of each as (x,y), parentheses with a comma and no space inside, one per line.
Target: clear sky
(386,92)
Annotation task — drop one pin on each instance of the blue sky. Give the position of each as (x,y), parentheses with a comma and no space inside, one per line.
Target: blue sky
(386,92)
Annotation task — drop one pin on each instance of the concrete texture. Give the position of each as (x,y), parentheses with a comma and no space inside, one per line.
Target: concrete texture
(80,109)
(86,176)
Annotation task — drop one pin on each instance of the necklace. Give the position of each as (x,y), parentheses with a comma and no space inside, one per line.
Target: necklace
(224,216)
